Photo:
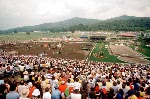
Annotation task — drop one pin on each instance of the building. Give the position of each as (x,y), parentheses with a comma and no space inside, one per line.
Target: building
(84,37)
(98,38)
(127,35)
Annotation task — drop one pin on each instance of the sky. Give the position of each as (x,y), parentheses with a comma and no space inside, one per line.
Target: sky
(18,13)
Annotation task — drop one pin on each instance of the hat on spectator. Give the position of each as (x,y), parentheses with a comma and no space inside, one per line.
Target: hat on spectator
(36,92)
(72,76)
(47,81)
(24,93)
(55,74)
(25,73)
(62,82)
(32,73)
(30,84)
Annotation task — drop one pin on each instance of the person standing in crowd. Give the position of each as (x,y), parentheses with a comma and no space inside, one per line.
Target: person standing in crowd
(76,94)
(119,94)
(31,89)
(24,93)
(21,86)
(115,87)
(21,68)
(56,94)
(47,94)
(36,93)
(111,94)
(62,87)
(3,91)
(26,77)
(13,94)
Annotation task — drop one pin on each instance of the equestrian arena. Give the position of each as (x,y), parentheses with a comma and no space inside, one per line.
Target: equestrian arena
(126,54)
(65,50)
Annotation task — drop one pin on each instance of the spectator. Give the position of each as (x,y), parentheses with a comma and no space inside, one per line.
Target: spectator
(21,86)
(13,94)
(62,87)
(31,89)
(26,76)
(56,94)
(111,94)
(24,93)
(36,93)
(125,90)
(76,94)
(47,94)
(120,94)
(142,93)
(92,94)
(3,91)
(115,87)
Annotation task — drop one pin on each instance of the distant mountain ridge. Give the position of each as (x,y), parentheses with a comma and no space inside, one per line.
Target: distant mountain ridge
(69,22)
(91,24)
(124,17)
(63,24)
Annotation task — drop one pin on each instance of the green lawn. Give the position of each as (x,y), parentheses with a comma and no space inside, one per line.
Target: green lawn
(107,57)
(143,50)
(33,36)
(132,47)
(146,51)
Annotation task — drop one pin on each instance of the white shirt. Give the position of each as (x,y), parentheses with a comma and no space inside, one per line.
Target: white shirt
(75,96)
(26,77)
(27,67)
(46,95)
(21,68)
(77,84)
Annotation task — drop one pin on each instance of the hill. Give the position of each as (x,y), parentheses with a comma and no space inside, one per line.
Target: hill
(122,23)
(61,24)
(131,24)
(123,17)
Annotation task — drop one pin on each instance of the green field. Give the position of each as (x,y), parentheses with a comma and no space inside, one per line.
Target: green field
(143,50)
(100,47)
(146,52)
(33,36)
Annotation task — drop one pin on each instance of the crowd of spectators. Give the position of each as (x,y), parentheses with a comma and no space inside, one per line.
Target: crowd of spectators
(55,78)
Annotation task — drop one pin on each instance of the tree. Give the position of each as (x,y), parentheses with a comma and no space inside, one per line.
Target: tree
(28,33)
(72,30)
(144,38)
(15,31)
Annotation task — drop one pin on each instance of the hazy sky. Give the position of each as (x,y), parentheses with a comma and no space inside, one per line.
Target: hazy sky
(17,13)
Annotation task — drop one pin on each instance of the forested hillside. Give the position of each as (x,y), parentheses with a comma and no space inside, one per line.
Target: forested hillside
(122,23)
